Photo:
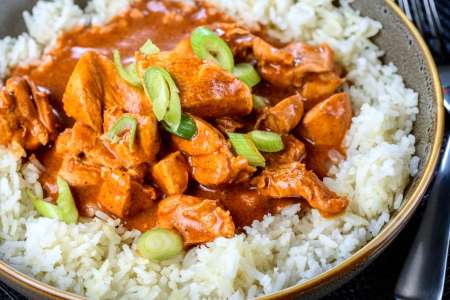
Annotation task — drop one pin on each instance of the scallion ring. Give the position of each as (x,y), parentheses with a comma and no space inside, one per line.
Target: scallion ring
(187,128)
(149,48)
(125,122)
(124,73)
(163,92)
(44,208)
(267,141)
(65,202)
(259,102)
(209,46)
(245,147)
(159,244)
(247,74)
(65,209)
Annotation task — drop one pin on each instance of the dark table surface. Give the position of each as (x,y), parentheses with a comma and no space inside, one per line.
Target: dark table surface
(379,279)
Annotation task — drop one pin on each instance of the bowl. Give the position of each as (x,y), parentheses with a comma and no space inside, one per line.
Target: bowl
(404,47)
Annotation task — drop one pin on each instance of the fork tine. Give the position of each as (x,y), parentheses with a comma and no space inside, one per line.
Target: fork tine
(435,24)
(404,5)
(418,15)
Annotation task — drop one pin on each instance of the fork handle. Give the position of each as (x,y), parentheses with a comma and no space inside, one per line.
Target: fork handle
(423,274)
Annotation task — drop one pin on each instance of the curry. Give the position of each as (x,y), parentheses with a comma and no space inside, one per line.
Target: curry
(255,144)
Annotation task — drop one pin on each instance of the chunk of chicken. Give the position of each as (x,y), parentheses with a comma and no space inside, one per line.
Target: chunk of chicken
(206,90)
(26,117)
(211,161)
(121,196)
(238,38)
(146,143)
(198,220)
(283,117)
(294,181)
(288,66)
(95,86)
(319,86)
(171,174)
(245,205)
(294,151)
(80,157)
(328,122)
(228,124)
(284,67)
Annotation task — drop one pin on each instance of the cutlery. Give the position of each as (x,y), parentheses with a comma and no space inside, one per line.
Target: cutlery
(423,274)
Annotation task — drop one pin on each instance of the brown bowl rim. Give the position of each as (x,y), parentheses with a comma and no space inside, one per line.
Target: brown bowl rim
(374,247)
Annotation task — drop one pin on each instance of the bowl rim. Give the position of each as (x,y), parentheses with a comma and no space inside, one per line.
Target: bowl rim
(374,247)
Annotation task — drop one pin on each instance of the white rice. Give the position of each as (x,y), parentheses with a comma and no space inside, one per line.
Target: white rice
(96,257)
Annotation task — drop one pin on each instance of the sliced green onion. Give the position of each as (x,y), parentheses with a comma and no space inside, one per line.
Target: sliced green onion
(65,209)
(123,72)
(159,244)
(259,102)
(131,69)
(247,74)
(125,122)
(187,128)
(245,147)
(65,202)
(149,48)
(44,208)
(163,91)
(208,45)
(157,89)
(267,141)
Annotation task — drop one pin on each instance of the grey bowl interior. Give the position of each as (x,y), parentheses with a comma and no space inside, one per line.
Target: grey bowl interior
(400,47)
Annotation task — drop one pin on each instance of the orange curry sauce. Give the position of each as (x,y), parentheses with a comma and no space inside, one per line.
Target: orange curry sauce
(166,23)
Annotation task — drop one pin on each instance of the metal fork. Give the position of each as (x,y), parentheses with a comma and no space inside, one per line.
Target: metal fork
(429,24)
(423,275)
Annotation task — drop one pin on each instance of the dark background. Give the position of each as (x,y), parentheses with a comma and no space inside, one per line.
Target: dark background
(379,279)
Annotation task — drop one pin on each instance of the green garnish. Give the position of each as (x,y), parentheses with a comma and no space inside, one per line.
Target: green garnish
(259,102)
(247,74)
(127,74)
(162,90)
(267,141)
(65,202)
(65,209)
(125,122)
(149,48)
(187,128)
(208,45)
(245,147)
(159,244)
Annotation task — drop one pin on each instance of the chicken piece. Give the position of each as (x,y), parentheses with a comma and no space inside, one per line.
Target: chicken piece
(146,139)
(327,122)
(211,161)
(26,117)
(198,220)
(238,38)
(228,124)
(288,66)
(206,90)
(285,67)
(95,86)
(83,97)
(319,86)
(245,205)
(294,151)
(294,181)
(121,196)
(171,174)
(283,117)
